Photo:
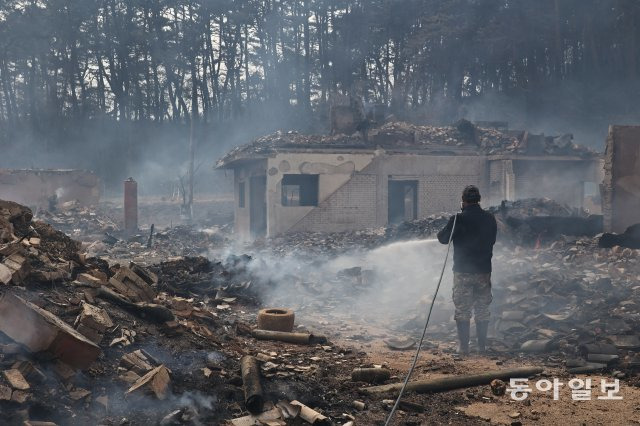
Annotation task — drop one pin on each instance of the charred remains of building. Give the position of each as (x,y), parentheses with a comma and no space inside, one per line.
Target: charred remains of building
(399,172)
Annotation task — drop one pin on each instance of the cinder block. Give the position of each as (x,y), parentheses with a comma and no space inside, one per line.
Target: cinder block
(40,330)
(95,317)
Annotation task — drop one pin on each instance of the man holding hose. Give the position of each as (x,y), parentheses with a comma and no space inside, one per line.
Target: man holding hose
(473,239)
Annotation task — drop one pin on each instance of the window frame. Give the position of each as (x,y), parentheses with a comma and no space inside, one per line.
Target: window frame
(305,183)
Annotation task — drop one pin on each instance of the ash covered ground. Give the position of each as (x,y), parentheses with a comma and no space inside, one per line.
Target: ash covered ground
(153,331)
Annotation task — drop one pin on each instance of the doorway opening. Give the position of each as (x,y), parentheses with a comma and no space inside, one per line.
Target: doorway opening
(258,206)
(403,200)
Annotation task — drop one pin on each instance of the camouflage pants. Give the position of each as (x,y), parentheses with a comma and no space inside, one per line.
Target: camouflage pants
(471,291)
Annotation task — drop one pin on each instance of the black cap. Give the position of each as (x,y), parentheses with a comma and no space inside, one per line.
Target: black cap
(471,194)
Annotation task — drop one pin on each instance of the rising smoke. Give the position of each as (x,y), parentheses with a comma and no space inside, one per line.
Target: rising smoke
(394,285)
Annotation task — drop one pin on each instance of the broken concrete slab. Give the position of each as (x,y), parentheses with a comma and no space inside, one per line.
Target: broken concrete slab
(20,396)
(94,335)
(156,380)
(18,267)
(29,371)
(15,378)
(5,393)
(136,361)
(95,318)
(6,274)
(40,330)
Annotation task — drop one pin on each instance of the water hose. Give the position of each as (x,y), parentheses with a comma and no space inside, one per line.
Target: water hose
(424,331)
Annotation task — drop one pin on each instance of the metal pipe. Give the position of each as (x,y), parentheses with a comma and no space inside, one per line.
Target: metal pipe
(282,336)
(455,382)
(253,398)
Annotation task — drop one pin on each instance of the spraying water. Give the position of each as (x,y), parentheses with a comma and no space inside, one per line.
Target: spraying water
(398,280)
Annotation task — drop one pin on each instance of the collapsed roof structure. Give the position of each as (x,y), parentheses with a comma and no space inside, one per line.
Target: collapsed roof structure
(462,138)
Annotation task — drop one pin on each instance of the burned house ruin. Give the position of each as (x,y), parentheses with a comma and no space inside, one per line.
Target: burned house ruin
(40,188)
(291,182)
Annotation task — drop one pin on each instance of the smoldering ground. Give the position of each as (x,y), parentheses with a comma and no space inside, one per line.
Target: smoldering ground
(390,285)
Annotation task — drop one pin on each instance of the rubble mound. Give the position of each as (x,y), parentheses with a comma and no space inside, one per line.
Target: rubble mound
(629,238)
(188,276)
(567,297)
(420,228)
(535,220)
(56,243)
(14,220)
(528,207)
(106,342)
(76,220)
(311,244)
(524,222)
(32,250)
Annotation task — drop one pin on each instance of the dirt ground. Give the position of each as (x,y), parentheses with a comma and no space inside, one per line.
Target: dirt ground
(477,405)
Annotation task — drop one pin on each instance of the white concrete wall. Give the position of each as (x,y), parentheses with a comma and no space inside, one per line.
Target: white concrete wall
(334,171)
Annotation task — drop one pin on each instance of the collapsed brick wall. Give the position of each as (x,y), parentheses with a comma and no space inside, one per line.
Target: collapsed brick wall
(621,185)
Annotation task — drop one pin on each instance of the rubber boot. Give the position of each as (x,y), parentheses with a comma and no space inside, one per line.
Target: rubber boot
(481,332)
(463,336)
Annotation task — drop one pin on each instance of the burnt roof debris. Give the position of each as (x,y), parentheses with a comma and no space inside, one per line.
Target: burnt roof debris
(462,137)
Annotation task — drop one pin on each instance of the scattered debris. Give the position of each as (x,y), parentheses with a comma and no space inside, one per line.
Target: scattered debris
(630,238)
(311,416)
(178,327)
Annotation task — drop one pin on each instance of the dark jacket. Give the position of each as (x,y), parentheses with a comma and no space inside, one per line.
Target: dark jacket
(473,239)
